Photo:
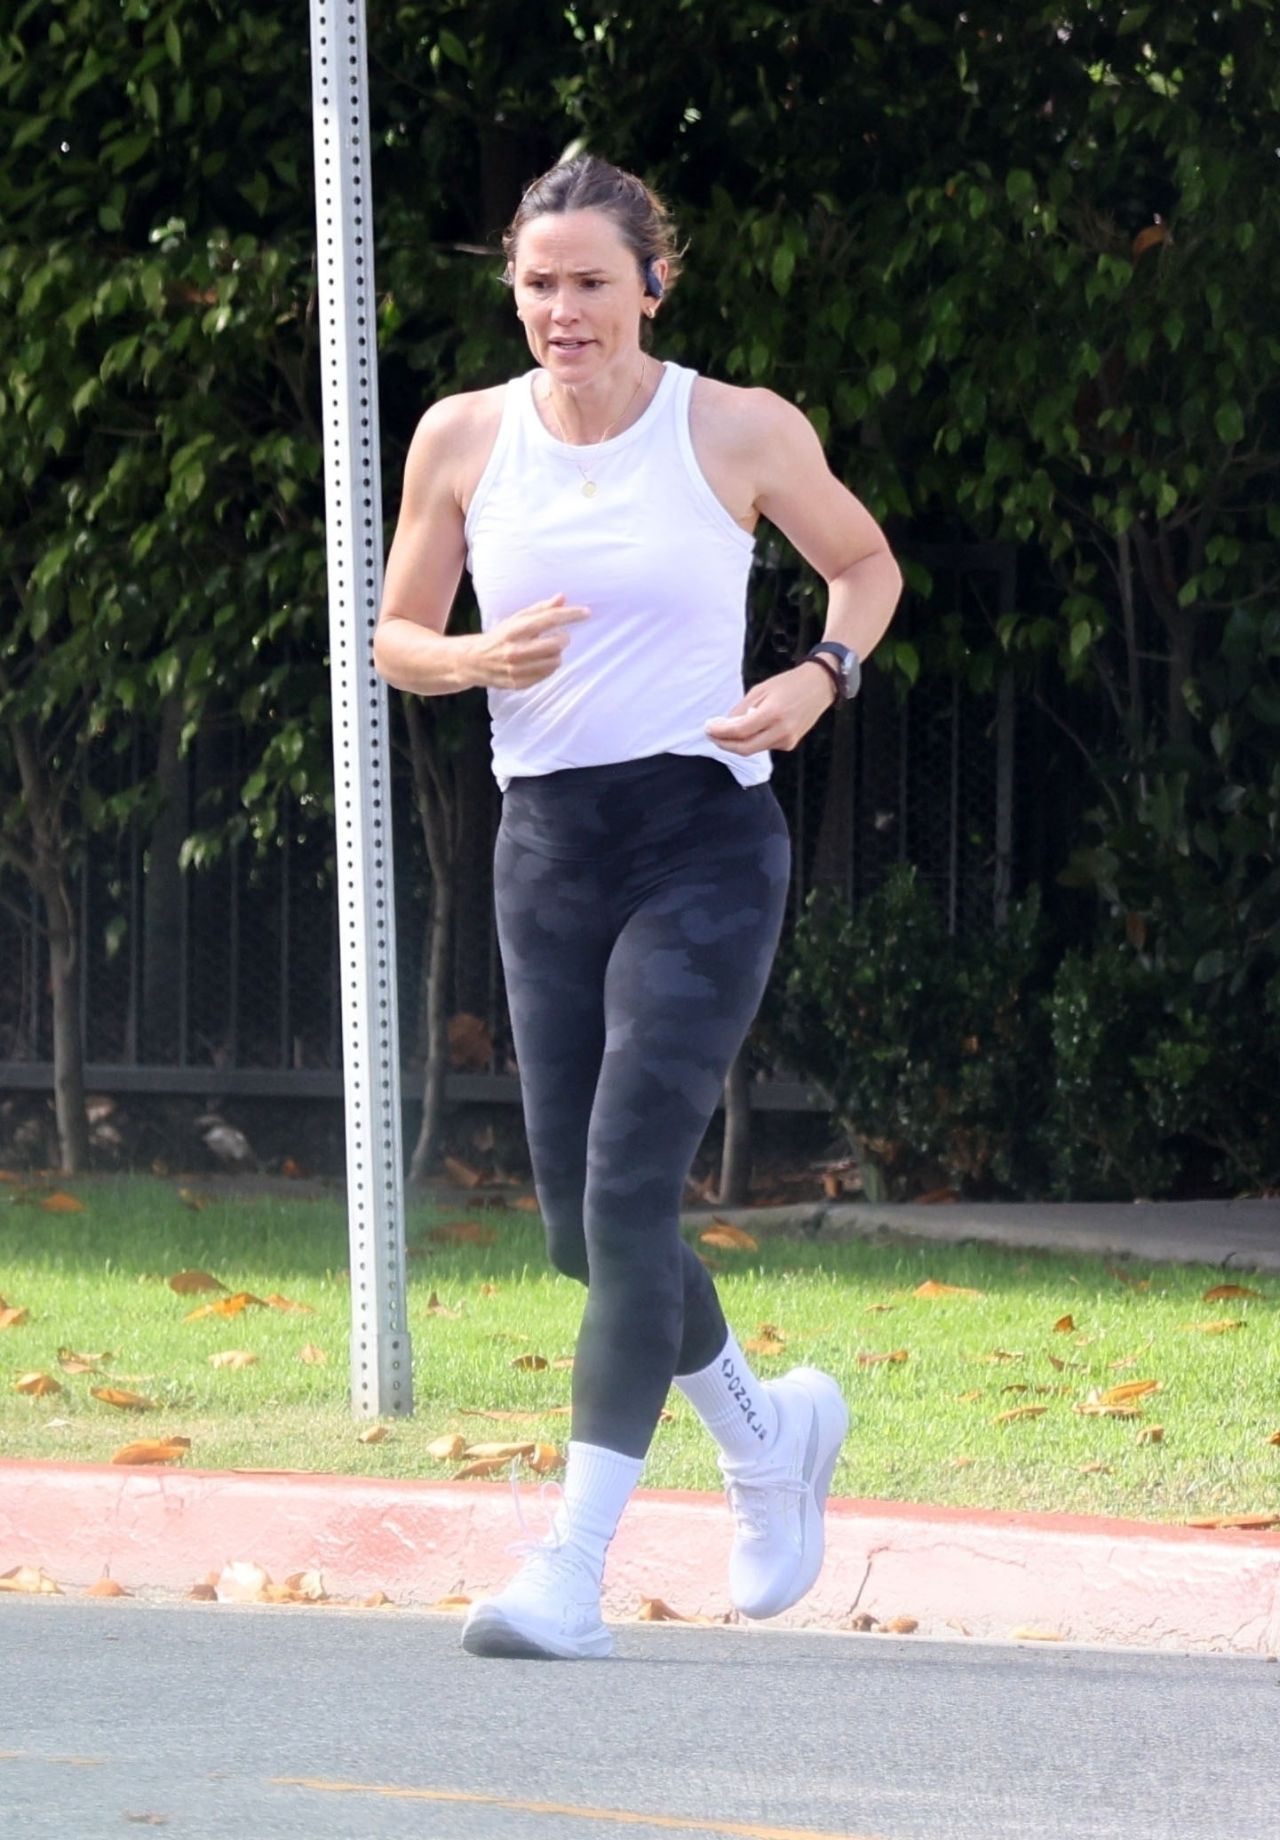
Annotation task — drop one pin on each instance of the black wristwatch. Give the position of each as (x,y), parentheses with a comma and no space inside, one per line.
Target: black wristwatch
(841,664)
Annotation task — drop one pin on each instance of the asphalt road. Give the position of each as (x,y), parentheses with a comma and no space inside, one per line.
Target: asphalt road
(209,1722)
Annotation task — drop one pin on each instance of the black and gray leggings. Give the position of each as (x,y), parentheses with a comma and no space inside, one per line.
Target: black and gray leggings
(639,907)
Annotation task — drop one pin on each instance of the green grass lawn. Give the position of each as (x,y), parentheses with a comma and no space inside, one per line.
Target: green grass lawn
(924,1429)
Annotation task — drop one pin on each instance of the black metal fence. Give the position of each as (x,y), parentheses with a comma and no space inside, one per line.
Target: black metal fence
(225,979)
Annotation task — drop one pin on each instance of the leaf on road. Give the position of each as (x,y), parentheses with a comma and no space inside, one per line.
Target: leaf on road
(447,1449)
(377,1601)
(187,1283)
(30,1581)
(233,1358)
(1019,1412)
(123,1399)
(1223,1326)
(106,1587)
(60,1203)
(37,1385)
(727,1238)
(1064,1325)
(657,1610)
(899,1626)
(931,1288)
(241,1582)
(153,1450)
(313,1356)
(307,1587)
(892,1355)
(456,1600)
(530,1363)
(1217,1292)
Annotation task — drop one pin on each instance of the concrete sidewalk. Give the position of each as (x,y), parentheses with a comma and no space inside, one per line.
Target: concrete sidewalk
(954,1572)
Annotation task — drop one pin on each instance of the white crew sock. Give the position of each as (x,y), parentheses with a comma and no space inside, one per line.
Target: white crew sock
(732,1404)
(597,1486)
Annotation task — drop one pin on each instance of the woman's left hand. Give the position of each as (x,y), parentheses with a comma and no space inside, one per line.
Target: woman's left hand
(775,714)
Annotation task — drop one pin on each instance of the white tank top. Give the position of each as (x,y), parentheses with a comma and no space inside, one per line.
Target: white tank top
(654,555)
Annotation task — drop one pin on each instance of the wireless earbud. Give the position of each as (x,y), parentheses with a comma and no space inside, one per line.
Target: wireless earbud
(652,285)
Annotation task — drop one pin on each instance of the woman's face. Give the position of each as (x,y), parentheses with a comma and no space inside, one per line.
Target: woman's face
(579,294)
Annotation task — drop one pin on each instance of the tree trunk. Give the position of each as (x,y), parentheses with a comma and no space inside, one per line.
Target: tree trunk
(735,1160)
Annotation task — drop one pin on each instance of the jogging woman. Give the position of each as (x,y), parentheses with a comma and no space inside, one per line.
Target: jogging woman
(604,503)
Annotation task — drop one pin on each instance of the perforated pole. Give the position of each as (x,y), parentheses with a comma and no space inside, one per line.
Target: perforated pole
(381,1369)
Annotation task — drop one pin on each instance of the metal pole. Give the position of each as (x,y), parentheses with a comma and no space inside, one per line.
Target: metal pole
(381,1366)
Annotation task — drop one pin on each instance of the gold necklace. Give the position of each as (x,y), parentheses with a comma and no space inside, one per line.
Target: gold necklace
(589,486)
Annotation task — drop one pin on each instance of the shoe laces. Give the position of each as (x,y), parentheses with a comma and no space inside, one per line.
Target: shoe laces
(755,1493)
(554,1552)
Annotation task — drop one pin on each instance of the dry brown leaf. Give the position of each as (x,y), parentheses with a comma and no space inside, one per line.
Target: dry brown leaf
(484,1466)
(1274,1438)
(292,1169)
(931,1288)
(456,1600)
(656,1610)
(1016,1386)
(13,1318)
(447,1449)
(313,1356)
(545,1459)
(234,1358)
(862,1624)
(1258,1522)
(1223,1326)
(123,1399)
(107,1587)
(1217,1292)
(961,1462)
(727,1238)
(1095,1408)
(30,1581)
(153,1450)
(307,1586)
(186,1283)
(276,1302)
(899,1626)
(1026,1633)
(763,1345)
(489,1290)
(892,1355)
(527,1204)
(59,1203)
(190,1198)
(377,1601)
(969,1397)
(463,1233)
(72,1363)
(1094,1469)
(463,1174)
(998,1356)
(1018,1412)
(434,1307)
(1149,237)
(563,1363)
(877,1309)
(1127,1391)
(500,1453)
(530,1363)
(1064,1325)
(241,1582)
(374,1435)
(1151,1434)
(225,1306)
(37,1385)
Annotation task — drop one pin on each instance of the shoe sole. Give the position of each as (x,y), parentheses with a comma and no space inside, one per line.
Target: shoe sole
(830,1428)
(490,1633)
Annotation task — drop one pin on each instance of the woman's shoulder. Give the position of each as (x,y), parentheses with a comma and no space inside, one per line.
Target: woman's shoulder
(469,414)
(732,414)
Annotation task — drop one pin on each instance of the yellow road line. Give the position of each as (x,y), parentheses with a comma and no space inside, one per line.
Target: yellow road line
(746,1830)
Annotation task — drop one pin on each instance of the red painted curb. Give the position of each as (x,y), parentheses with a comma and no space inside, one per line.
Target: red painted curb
(953,1570)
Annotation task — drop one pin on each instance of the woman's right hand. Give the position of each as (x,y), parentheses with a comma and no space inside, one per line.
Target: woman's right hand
(526,646)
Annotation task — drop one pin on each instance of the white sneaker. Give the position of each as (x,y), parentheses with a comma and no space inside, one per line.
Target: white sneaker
(549,1612)
(778,1499)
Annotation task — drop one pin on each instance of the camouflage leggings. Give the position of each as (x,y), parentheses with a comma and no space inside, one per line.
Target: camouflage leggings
(639,907)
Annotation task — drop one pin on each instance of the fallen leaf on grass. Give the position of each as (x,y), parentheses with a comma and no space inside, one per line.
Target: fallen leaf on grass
(497,1453)
(463,1233)
(1151,1434)
(961,1462)
(186,1283)
(276,1302)
(728,1238)
(37,1385)
(969,1397)
(488,1290)
(765,1346)
(31,1581)
(931,1288)
(545,1459)
(123,1399)
(1064,1325)
(1223,1326)
(191,1199)
(530,1363)
(374,1435)
(1026,1633)
(562,1363)
(1274,1438)
(153,1450)
(1017,1412)
(1137,1284)
(484,1466)
(1094,1408)
(233,1358)
(72,1363)
(1217,1292)
(226,1306)
(1094,1469)
(893,1355)
(434,1307)
(877,1309)
(447,1449)
(899,1626)
(313,1356)
(1126,1392)
(1243,1521)
(59,1203)
(13,1318)
(999,1355)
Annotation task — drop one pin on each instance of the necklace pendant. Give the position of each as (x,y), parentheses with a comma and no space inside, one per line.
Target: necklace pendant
(589,488)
